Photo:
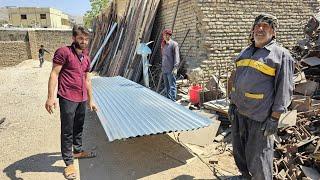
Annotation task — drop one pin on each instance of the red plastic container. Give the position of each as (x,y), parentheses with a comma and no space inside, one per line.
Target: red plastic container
(194,94)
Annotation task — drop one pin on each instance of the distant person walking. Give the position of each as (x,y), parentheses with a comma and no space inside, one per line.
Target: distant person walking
(41,54)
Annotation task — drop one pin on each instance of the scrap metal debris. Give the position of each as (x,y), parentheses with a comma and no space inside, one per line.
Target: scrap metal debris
(297,146)
(297,154)
(297,143)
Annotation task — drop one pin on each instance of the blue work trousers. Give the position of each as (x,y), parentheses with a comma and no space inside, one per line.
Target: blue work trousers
(170,85)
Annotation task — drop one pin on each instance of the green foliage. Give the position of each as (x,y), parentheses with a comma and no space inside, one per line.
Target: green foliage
(96,7)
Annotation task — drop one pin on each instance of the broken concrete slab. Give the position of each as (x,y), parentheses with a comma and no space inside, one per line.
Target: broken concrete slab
(219,105)
(202,136)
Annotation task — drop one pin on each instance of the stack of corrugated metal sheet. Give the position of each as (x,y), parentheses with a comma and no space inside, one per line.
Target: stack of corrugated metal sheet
(128,109)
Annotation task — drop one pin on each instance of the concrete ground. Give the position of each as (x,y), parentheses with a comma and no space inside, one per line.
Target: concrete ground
(30,140)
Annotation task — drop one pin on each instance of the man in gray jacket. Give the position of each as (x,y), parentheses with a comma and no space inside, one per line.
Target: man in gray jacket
(261,91)
(170,63)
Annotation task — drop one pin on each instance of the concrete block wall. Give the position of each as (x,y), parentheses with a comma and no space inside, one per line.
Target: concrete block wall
(220,28)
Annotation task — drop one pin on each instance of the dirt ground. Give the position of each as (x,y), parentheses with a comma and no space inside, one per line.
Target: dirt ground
(30,140)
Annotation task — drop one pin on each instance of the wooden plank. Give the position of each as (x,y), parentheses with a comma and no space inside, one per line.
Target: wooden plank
(219,105)
(119,57)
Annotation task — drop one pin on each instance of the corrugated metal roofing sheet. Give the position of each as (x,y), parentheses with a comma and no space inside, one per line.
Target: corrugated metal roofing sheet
(127,109)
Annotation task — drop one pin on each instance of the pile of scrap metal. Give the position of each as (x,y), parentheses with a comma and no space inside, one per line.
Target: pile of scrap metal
(307,56)
(297,154)
(115,39)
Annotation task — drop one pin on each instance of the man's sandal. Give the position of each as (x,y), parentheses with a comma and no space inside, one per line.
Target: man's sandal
(70,172)
(84,154)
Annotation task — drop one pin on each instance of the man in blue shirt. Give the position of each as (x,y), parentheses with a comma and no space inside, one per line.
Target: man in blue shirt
(170,63)
(261,91)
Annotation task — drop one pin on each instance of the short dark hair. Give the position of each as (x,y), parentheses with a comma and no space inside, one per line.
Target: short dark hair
(41,46)
(76,30)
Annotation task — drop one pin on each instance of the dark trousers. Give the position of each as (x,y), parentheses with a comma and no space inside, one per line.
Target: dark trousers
(41,59)
(252,151)
(72,116)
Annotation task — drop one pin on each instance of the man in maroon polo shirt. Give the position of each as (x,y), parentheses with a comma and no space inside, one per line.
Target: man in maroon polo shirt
(71,72)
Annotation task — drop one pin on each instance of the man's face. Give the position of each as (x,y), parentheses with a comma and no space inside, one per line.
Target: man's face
(81,41)
(262,34)
(166,37)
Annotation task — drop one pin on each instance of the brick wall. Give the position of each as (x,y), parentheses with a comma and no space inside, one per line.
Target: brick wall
(24,44)
(186,19)
(220,28)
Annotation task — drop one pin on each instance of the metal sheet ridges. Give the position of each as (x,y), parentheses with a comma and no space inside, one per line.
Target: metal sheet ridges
(127,109)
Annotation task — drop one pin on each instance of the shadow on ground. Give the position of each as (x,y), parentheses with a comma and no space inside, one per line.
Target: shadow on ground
(36,163)
(130,159)
(184,177)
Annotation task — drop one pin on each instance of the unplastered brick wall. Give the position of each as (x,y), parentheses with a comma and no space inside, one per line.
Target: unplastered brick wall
(220,28)
(21,44)
(186,20)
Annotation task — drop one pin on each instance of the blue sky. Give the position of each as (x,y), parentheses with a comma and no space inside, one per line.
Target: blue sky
(73,7)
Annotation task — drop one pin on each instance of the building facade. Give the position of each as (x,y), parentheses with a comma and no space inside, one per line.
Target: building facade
(32,17)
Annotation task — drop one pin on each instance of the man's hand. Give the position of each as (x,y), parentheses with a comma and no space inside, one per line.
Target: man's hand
(271,126)
(175,71)
(51,105)
(92,106)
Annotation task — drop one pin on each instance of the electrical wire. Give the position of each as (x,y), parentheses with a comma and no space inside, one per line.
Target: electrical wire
(212,167)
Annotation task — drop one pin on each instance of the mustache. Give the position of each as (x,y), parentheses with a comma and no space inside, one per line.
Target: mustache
(80,45)
(260,33)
